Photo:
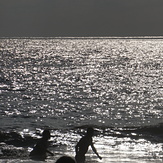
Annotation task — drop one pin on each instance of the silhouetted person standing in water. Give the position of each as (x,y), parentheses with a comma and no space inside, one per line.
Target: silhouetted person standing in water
(82,146)
(40,150)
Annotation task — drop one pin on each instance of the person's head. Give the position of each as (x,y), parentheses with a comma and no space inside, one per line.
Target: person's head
(46,134)
(90,131)
(65,159)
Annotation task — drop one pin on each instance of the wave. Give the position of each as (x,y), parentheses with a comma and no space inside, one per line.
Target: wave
(153,133)
(13,144)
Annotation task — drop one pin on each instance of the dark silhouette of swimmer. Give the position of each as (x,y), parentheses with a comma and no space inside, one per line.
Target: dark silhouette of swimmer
(40,150)
(65,159)
(82,146)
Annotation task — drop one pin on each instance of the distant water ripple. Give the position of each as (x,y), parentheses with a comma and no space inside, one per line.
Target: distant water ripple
(67,82)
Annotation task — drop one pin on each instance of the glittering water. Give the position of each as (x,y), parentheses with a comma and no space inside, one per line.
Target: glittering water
(64,84)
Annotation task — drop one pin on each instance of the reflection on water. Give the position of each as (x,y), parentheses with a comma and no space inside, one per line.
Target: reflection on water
(116,82)
(125,149)
(63,84)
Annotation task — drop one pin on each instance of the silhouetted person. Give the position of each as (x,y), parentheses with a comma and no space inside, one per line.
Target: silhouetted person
(82,146)
(65,159)
(40,150)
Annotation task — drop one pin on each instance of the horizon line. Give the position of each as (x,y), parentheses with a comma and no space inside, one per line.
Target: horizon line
(88,37)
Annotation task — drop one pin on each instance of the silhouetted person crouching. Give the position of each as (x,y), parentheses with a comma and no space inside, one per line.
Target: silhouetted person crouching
(40,150)
(82,146)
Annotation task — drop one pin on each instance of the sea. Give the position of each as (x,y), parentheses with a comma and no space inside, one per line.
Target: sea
(66,85)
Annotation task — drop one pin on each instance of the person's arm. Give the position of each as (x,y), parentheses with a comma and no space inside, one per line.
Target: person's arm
(95,151)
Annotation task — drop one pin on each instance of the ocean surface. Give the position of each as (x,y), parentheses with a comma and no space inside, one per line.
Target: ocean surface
(68,84)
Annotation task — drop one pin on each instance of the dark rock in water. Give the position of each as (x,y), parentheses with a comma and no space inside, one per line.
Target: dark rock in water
(12,145)
(14,138)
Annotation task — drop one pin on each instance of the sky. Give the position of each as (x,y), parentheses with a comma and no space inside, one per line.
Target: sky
(81,18)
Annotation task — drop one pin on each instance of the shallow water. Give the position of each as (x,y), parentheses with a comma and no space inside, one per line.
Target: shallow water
(66,85)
